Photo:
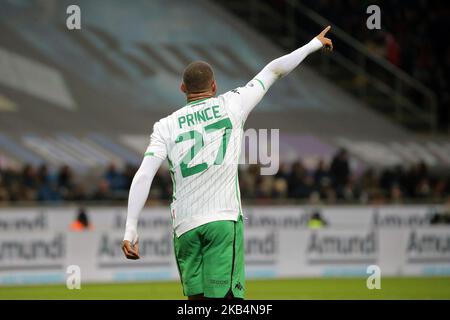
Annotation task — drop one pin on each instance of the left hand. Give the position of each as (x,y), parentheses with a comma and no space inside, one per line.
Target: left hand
(131,251)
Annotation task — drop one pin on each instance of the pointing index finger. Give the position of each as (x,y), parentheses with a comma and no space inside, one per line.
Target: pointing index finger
(324,31)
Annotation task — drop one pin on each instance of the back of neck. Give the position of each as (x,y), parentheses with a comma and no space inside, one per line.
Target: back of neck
(197,96)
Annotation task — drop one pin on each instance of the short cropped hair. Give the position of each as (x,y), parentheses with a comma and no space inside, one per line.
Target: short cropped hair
(198,77)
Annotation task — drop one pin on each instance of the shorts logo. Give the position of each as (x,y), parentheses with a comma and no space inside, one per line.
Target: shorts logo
(239,286)
(219,282)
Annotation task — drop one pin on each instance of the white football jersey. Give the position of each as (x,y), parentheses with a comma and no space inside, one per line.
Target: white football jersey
(202,143)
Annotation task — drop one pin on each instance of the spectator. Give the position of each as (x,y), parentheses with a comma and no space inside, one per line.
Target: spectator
(280,187)
(128,174)
(81,222)
(392,50)
(297,178)
(65,182)
(103,191)
(29,178)
(340,170)
(115,179)
(316,221)
(396,195)
(321,174)
(42,175)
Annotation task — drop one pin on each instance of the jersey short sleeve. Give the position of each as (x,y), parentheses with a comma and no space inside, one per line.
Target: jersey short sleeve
(157,146)
(242,100)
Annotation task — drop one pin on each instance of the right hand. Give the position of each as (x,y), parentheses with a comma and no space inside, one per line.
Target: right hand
(130,250)
(326,43)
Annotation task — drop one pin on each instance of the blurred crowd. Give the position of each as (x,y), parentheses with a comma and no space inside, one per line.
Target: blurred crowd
(41,184)
(332,182)
(412,37)
(337,183)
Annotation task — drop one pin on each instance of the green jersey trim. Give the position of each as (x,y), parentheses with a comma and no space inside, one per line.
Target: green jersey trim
(172,177)
(261,83)
(238,190)
(149,154)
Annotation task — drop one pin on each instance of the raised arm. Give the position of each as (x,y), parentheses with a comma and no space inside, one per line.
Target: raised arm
(250,95)
(282,66)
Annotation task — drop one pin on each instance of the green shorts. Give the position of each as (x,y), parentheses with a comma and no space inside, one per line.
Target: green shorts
(210,259)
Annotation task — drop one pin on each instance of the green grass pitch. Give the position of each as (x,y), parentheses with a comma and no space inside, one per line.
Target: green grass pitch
(307,288)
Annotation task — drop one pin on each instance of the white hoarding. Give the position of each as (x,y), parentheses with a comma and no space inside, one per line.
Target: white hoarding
(37,246)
